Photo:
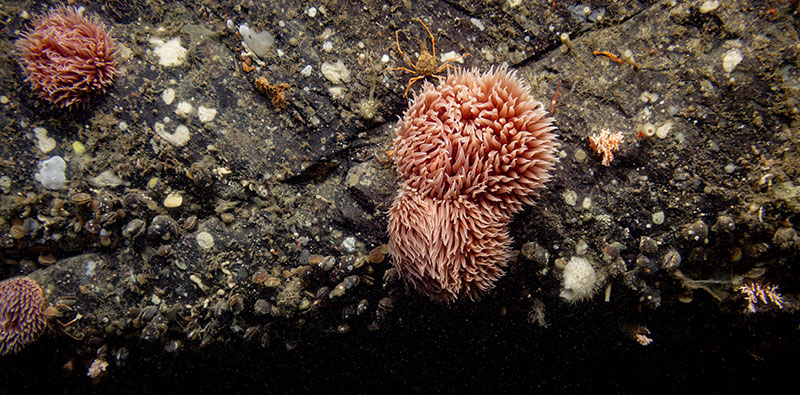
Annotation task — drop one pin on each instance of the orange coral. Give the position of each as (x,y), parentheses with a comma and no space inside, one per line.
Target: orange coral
(605,143)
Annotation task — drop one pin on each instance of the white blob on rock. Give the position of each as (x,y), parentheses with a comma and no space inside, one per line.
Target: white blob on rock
(336,92)
(184,109)
(349,244)
(205,240)
(451,55)
(51,173)
(170,53)
(477,22)
(179,138)
(570,197)
(336,72)
(168,96)
(658,217)
(206,114)
(663,131)
(709,6)
(258,42)
(731,60)
(106,179)
(173,200)
(579,280)
(45,143)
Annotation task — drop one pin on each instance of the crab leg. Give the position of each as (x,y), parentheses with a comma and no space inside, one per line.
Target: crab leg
(397,40)
(447,64)
(433,42)
(411,82)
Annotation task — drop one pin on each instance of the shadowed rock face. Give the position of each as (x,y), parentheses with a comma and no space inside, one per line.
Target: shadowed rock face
(288,201)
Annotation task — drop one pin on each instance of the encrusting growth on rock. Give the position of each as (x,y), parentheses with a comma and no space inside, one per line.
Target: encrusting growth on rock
(274,92)
(470,152)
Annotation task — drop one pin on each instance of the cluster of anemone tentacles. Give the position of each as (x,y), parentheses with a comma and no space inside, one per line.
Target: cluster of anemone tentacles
(471,152)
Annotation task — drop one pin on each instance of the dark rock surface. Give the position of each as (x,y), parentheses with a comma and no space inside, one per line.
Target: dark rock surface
(289,296)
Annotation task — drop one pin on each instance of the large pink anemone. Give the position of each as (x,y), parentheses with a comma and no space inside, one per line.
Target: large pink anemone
(67,57)
(471,152)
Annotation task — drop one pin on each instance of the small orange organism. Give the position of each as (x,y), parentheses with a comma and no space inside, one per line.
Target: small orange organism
(605,143)
(426,62)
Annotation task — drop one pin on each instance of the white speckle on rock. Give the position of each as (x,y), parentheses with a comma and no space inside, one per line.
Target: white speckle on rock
(306,71)
(170,53)
(477,22)
(658,217)
(90,266)
(123,126)
(570,197)
(311,12)
(731,60)
(730,168)
(327,46)
(336,92)
(51,173)
(385,58)
(107,179)
(206,114)
(168,96)
(349,244)
(708,6)
(45,143)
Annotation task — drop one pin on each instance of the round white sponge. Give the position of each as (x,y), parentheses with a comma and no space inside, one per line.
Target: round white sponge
(579,279)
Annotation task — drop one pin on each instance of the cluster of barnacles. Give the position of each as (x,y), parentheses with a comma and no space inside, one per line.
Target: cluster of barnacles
(756,292)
